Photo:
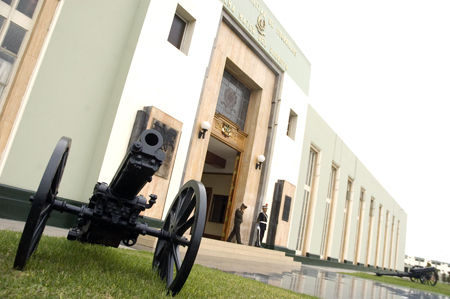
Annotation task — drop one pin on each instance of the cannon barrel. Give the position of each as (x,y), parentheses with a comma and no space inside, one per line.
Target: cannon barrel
(422,270)
(142,160)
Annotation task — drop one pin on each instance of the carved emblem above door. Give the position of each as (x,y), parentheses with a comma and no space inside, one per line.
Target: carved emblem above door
(226,130)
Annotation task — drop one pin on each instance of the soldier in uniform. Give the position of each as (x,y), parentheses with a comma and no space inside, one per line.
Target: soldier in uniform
(261,225)
(238,218)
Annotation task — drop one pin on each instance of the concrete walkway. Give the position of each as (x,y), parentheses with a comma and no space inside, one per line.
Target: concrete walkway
(229,257)
(232,257)
(17,226)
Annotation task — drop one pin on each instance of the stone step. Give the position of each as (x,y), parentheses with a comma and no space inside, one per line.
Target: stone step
(240,257)
(207,243)
(243,250)
(249,266)
(212,244)
(231,253)
(232,257)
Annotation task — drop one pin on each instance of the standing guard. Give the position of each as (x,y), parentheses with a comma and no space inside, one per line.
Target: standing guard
(238,218)
(261,225)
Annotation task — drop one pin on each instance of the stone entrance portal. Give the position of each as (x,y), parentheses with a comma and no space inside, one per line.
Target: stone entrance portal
(237,77)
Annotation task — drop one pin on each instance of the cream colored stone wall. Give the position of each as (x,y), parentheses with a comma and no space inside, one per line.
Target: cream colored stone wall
(333,150)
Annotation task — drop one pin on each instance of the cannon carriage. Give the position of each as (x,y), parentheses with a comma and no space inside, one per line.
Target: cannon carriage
(112,215)
(426,275)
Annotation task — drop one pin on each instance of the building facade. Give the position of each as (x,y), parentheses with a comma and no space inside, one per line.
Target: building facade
(178,66)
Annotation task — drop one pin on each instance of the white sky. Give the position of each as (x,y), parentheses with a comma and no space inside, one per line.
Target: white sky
(381,79)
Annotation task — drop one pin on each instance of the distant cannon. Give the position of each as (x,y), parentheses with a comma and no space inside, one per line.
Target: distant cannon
(427,275)
(113,212)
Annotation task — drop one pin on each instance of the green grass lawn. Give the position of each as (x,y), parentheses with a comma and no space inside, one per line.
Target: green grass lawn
(441,288)
(63,269)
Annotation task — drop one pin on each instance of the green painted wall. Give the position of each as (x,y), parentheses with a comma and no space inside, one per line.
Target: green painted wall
(76,93)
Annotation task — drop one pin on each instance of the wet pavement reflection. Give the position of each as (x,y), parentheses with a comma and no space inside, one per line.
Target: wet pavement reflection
(325,283)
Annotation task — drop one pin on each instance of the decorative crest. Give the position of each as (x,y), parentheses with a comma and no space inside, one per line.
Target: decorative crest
(226,130)
(261,24)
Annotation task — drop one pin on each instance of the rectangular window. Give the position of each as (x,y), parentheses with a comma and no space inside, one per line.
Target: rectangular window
(396,245)
(377,246)
(345,227)
(391,243)
(27,7)
(182,29)
(233,101)
(292,124)
(359,224)
(369,233)
(385,240)
(349,189)
(372,206)
(16,21)
(177,31)
(332,182)
(13,38)
(310,172)
(327,218)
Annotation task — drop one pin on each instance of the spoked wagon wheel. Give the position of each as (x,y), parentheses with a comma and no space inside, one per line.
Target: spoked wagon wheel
(429,278)
(414,279)
(42,203)
(188,211)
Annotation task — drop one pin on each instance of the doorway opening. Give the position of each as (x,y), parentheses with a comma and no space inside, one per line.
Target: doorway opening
(219,177)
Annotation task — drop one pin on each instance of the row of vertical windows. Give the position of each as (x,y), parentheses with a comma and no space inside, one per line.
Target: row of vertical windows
(385,249)
(382,258)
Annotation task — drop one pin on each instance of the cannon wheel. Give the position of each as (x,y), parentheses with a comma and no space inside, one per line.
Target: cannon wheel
(42,203)
(414,279)
(429,278)
(188,211)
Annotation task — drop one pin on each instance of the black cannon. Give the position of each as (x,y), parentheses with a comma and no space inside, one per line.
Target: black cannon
(427,275)
(113,213)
